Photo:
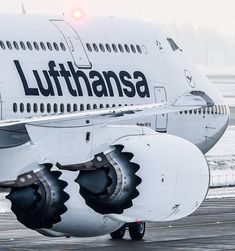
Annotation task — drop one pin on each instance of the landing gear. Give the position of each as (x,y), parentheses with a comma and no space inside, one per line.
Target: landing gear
(136,231)
(119,234)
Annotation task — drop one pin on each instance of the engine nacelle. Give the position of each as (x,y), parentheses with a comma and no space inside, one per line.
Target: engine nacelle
(149,177)
(174,173)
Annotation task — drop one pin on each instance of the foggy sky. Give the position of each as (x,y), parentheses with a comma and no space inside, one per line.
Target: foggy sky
(205,29)
(211,13)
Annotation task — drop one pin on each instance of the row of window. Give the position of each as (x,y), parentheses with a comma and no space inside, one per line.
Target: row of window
(115,48)
(61,108)
(217,109)
(55,108)
(32,46)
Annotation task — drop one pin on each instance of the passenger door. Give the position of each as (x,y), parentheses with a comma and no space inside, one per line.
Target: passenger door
(161,120)
(74,43)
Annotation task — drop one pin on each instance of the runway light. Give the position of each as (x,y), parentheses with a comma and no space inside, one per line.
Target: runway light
(77,14)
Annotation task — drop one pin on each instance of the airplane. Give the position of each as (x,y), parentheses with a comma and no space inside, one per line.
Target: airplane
(104,125)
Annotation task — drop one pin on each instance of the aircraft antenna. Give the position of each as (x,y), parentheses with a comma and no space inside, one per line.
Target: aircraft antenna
(23,9)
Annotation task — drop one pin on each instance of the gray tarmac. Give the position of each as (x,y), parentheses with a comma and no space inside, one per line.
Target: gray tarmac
(212,227)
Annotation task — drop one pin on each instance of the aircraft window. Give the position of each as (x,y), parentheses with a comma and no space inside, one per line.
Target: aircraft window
(82,108)
(222,109)
(42,108)
(94,107)
(127,48)
(108,47)
(200,111)
(22,45)
(88,107)
(21,107)
(119,105)
(56,46)
(185,112)
(28,108)
(113,105)
(216,111)
(219,110)
(144,49)
(68,108)
(102,47)
(173,45)
(36,45)
(133,48)
(89,47)
(120,48)
(62,108)
(49,108)
(43,46)
(195,111)
(95,47)
(2,45)
(139,49)
(49,46)
(204,110)
(55,108)
(107,106)
(16,45)
(62,46)
(75,107)
(190,112)
(35,107)
(114,48)
(9,45)
(212,110)
(101,106)
(15,107)
(29,46)
(181,112)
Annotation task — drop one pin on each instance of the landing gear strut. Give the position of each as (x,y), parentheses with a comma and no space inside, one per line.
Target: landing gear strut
(136,231)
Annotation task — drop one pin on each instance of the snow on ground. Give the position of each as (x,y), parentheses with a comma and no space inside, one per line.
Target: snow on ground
(223,192)
(5,204)
(221,160)
(226,145)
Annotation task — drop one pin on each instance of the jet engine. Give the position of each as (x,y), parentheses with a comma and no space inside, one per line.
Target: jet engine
(148,177)
(142,177)
(38,198)
(112,185)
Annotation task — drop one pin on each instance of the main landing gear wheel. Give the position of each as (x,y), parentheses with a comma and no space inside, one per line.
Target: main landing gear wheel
(119,234)
(137,230)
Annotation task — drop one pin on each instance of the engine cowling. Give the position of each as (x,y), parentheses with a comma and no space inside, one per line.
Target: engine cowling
(149,177)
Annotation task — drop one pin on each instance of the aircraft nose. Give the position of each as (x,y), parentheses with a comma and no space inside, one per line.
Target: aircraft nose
(216,125)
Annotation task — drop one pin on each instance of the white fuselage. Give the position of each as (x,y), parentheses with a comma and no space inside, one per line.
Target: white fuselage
(53,68)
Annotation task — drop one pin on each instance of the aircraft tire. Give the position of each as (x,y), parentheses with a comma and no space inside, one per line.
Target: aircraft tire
(119,234)
(137,230)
